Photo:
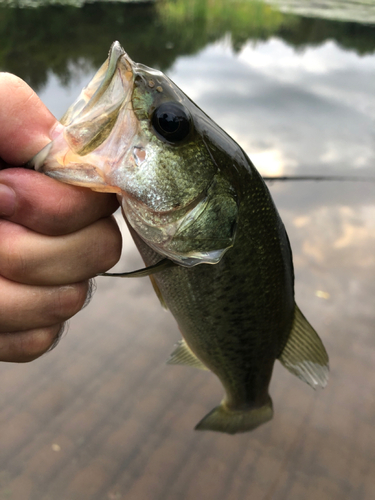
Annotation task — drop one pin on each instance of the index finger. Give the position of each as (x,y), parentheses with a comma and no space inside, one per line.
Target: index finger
(51,207)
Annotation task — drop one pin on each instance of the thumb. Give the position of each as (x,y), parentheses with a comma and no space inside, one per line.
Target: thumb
(25,122)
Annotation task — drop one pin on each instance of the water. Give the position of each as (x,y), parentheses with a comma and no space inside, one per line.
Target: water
(102,417)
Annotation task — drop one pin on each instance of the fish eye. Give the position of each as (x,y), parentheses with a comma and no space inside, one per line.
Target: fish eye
(172,121)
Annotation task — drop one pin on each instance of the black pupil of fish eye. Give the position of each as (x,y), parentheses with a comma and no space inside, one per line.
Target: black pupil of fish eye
(171,121)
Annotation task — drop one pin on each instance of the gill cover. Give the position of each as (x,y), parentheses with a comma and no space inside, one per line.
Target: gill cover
(202,235)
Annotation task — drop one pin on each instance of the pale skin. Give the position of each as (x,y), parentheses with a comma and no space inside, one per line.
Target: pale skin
(53,237)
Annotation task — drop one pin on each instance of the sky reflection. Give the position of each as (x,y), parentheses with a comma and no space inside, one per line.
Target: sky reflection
(309,111)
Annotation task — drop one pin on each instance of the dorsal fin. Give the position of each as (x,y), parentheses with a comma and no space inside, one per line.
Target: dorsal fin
(304,354)
(183,355)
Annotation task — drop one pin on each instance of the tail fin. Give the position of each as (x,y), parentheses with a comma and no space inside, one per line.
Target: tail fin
(223,419)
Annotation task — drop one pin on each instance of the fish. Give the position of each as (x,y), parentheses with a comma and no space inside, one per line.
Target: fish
(205,224)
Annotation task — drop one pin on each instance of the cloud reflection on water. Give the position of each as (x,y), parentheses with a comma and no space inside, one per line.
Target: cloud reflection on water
(309,111)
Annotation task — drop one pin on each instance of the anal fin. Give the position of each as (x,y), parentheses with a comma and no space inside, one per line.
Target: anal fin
(304,354)
(183,355)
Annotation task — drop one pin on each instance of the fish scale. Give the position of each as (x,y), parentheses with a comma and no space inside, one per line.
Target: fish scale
(245,285)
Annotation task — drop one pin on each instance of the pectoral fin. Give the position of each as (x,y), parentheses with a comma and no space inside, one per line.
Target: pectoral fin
(158,292)
(304,354)
(146,271)
(183,355)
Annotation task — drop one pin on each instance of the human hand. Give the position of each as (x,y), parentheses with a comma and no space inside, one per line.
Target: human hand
(53,236)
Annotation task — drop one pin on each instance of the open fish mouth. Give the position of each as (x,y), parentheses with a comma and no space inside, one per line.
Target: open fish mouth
(101,119)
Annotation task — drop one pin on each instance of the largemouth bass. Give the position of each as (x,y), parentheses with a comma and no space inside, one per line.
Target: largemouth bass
(205,224)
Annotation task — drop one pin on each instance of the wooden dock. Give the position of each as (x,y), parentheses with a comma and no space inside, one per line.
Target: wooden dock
(103,418)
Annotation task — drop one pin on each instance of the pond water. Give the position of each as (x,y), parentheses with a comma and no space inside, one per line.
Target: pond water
(102,417)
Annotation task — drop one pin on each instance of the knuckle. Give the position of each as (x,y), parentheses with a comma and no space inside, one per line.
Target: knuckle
(109,245)
(16,265)
(35,345)
(64,210)
(23,347)
(70,300)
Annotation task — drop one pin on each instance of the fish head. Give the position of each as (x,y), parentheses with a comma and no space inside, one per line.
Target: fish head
(133,132)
